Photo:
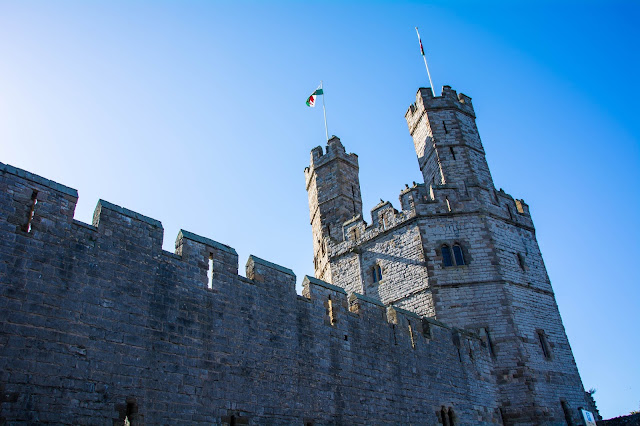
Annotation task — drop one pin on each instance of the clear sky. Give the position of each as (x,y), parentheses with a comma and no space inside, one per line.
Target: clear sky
(194,113)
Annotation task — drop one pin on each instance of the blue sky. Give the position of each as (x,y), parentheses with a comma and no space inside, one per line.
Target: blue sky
(193,113)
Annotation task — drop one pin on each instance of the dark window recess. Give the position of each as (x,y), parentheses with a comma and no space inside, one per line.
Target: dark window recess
(544,344)
(376,273)
(458,255)
(453,153)
(445,127)
(452,417)
(502,416)
(521,261)
(489,342)
(426,329)
(567,413)
(34,201)
(446,256)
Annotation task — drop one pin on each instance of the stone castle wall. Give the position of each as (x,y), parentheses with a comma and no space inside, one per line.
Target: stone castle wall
(98,323)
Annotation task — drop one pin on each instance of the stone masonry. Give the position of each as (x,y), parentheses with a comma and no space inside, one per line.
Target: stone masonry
(99,324)
(438,314)
(459,251)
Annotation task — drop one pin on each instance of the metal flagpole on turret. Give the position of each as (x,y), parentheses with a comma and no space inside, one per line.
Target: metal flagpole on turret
(433,89)
(324,110)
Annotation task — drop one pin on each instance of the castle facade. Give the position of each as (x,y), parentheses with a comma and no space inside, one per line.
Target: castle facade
(440,313)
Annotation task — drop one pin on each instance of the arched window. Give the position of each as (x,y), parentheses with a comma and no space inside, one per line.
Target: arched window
(458,255)
(376,273)
(452,417)
(446,256)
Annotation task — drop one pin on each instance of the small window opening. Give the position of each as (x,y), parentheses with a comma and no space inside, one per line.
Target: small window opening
(567,413)
(34,201)
(452,417)
(458,255)
(413,341)
(502,416)
(210,272)
(232,420)
(130,413)
(395,339)
(426,329)
(510,214)
(446,256)
(353,198)
(445,127)
(489,342)
(453,153)
(521,261)
(346,338)
(544,344)
(376,272)
(355,234)
(444,416)
(448,203)
(332,317)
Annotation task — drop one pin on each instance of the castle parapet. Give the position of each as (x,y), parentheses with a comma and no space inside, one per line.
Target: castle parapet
(119,223)
(198,250)
(33,203)
(262,271)
(334,150)
(425,101)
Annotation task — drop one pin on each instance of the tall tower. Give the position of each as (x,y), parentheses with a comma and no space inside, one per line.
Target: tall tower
(495,282)
(333,187)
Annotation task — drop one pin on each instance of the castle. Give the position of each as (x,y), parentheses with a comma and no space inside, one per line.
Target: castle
(441,313)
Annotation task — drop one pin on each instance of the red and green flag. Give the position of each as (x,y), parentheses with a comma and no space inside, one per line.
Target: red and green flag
(311,100)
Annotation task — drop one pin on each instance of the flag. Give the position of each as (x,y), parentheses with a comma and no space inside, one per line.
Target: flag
(421,48)
(311,100)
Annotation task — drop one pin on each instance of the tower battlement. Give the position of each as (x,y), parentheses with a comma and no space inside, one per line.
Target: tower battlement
(425,101)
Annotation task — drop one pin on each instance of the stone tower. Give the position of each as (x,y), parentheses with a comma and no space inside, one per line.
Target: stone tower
(334,198)
(461,252)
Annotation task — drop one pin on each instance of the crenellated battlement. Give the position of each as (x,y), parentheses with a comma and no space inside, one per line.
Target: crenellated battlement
(118,230)
(334,150)
(426,101)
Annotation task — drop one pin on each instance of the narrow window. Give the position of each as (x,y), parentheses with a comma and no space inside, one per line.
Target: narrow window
(489,342)
(353,198)
(426,329)
(376,273)
(502,417)
(446,256)
(445,127)
(444,416)
(510,214)
(567,413)
(459,256)
(448,203)
(413,342)
(210,271)
(34,200)
(521,261)
(355,234)
(453,153)
(332,317)
(452,417)
(544,344)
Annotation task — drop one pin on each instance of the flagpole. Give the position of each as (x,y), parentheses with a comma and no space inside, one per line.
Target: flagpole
(324,110)
(425,62)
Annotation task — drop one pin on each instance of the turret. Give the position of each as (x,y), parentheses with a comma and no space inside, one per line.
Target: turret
(334,198)
(447,141)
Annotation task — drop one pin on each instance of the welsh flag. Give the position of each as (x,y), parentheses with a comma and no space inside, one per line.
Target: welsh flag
(311,100)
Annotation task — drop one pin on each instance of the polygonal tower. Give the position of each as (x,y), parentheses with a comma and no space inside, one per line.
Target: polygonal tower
(459,251)
(334,198)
